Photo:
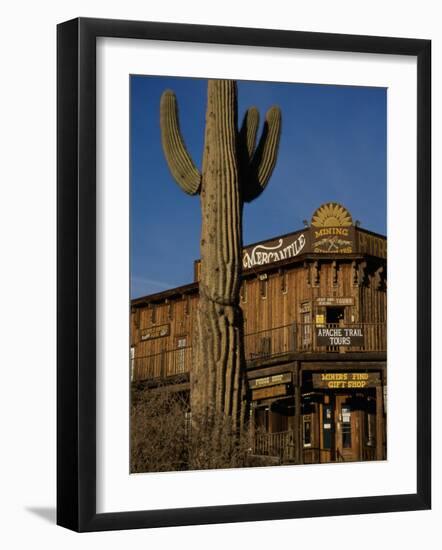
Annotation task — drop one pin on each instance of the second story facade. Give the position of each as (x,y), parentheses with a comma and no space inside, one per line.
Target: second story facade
(318,290)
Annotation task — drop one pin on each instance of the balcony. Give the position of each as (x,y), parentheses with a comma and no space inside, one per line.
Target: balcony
(279,341)
(308,338)
(166,364)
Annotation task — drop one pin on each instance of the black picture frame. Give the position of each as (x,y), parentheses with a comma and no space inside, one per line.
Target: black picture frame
(76,274)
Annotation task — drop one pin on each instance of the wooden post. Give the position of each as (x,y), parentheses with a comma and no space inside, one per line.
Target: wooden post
(379,423)
(252,426)
(297,428)
(342,348)
(334,439)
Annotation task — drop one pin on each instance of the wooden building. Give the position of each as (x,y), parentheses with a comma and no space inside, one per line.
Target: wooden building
(315,305)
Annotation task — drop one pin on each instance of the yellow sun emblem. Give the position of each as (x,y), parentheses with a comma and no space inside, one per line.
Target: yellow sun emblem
(331,214)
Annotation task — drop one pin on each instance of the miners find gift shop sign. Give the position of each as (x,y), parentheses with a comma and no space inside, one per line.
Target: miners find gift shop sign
(346,380)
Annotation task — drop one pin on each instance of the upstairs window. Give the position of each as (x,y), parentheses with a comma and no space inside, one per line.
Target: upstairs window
(243,291)
(263,286)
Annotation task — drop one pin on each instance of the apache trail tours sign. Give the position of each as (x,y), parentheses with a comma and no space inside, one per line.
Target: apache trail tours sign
(339,336)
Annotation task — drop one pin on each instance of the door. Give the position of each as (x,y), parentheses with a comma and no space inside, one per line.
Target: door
(306,330)
(347,436)
(327,430)
(180,366)
(334,315)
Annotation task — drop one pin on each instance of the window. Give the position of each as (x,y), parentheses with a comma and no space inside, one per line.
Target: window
(243,291)
(153,315)
(326,427)
(284,282)
(181,355)
(170,311)
(370,423)
(306,328)
(307,430)
(137,318)
(334,315)
(346,427)
(263,286)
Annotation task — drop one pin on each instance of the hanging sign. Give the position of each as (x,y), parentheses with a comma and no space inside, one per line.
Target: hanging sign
(335,301)
(283,378)
(272,391)
(275,250)
(155,332)
(339,336)
(345,380)
(332,229)
(320,319)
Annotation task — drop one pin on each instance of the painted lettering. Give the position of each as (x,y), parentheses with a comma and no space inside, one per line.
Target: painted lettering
(262,254)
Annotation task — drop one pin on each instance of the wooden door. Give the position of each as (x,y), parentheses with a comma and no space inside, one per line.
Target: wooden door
(181,344)
(326,421)
(347,429)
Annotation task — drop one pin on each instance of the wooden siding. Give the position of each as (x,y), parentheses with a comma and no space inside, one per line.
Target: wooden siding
(271,299)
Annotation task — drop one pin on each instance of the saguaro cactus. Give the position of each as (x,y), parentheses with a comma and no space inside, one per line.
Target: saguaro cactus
(233,171)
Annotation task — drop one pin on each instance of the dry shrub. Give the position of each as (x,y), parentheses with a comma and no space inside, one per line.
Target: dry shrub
(162,440)
(159,440)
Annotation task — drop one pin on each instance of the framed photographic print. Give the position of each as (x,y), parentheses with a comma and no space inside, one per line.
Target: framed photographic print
(243,274)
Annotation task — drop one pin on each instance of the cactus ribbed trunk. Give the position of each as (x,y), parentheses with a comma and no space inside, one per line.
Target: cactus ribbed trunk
(216,376)
(233,172)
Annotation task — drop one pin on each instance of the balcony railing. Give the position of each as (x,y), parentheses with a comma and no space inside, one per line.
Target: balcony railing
(261,345)
(279,444)
(303,337)
(161,365)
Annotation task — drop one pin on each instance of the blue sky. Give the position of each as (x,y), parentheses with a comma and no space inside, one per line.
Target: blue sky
(332,148)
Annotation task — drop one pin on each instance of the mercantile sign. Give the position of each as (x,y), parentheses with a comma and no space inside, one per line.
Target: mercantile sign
(274,251)
(331,231)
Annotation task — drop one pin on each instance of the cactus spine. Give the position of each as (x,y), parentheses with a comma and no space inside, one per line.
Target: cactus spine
(233,171)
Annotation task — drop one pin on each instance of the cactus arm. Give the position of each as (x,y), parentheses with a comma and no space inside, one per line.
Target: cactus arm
(249,130)
(264,159)
(178,159)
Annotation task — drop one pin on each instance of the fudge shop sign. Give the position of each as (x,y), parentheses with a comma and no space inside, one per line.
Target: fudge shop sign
(274,251)
(339,336)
